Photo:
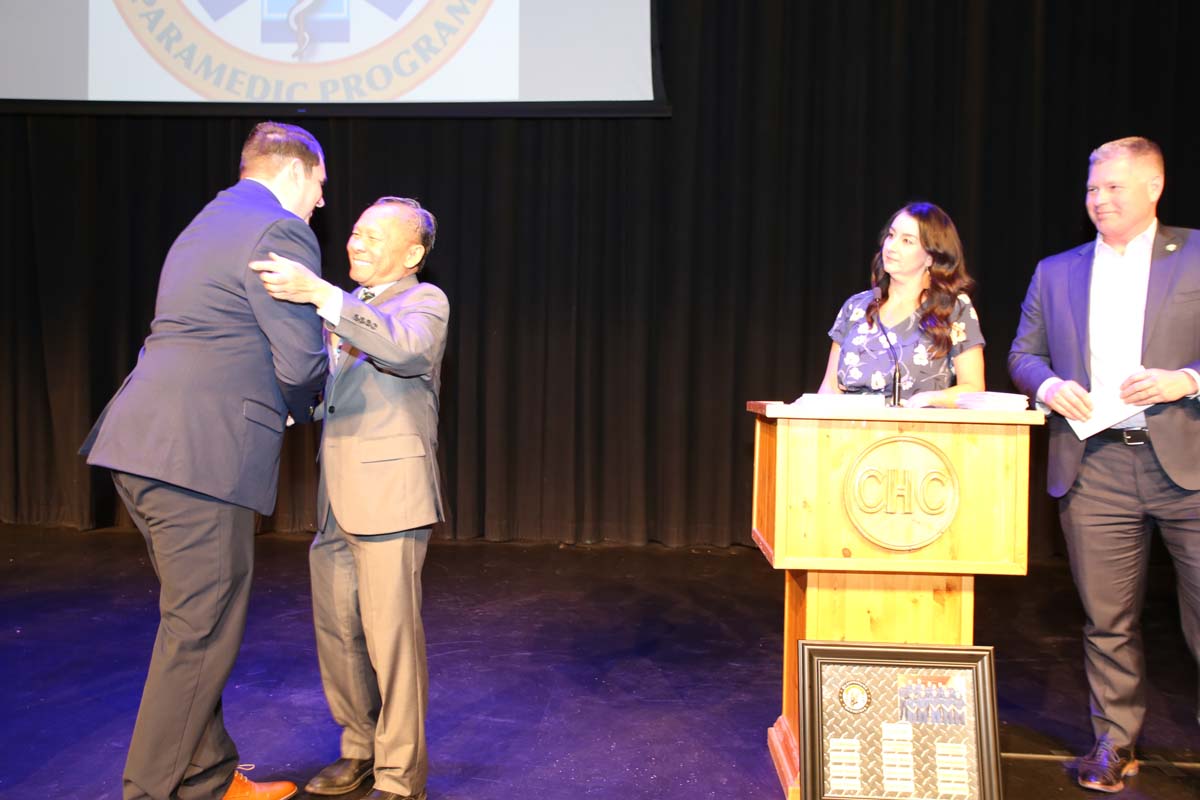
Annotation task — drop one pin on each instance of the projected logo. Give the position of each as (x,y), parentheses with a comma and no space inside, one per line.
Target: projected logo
(301,51)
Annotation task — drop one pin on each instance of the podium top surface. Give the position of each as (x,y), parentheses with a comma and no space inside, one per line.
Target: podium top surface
(775,409)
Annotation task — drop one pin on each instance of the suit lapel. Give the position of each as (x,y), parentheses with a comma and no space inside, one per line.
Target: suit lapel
(346,354)
(333,345)
(1079,295)
(1164,267)
(402,285)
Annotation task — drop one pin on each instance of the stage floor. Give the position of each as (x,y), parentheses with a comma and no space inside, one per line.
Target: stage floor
(555,672)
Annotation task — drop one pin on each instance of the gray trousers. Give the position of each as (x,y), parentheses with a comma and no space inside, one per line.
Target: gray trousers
(371,647)
(1108,518)
(202,550)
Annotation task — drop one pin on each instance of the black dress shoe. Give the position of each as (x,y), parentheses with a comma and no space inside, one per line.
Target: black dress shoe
(380,794)
(341,776)
(1104,767)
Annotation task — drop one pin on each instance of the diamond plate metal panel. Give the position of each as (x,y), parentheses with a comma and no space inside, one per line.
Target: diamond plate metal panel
(892,732)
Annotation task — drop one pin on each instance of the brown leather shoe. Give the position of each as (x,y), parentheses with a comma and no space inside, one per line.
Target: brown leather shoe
(243,788)
(1104,767)
(341,776)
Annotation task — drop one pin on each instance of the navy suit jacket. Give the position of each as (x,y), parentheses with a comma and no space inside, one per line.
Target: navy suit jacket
(224,364)
(1052,341)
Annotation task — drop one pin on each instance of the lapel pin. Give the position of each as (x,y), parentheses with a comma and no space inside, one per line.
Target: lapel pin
(1171,248)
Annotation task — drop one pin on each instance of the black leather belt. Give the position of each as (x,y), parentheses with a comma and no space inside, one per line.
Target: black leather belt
(1130,436)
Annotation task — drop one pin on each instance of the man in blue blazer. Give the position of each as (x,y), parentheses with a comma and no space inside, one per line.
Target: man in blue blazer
(1117,321)
(193,438)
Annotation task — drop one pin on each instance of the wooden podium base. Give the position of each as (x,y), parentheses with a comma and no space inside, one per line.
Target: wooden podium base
(786,755)
(880,518)
(887,607)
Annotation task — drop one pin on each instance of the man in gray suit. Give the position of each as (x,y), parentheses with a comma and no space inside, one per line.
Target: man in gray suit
(378,494)
(193,438)
(1117,321)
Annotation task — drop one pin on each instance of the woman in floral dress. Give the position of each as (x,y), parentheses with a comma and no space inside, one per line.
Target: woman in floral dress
(917,315)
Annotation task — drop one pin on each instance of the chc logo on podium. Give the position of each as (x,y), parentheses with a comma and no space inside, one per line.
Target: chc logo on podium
(901,493)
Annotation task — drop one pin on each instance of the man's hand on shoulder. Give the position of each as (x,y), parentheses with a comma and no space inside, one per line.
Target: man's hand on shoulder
(285,279)
(1069,399)
(1152,386)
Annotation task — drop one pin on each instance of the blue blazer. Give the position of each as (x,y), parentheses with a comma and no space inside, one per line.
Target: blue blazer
(1052,340)
(224,364)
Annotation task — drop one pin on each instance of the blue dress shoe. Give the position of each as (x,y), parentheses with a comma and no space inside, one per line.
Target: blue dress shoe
(1104,767)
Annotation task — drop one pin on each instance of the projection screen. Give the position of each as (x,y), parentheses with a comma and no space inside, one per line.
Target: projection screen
(379,57)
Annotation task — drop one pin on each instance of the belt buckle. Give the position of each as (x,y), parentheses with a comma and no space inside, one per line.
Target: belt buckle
(1134,437)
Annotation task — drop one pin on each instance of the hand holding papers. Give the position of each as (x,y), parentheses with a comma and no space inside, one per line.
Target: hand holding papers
(1107,410)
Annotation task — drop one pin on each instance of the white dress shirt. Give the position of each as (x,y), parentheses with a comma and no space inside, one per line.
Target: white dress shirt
(1117,313)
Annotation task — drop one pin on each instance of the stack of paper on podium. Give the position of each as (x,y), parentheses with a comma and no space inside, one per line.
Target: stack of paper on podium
(992,401)
(830,402)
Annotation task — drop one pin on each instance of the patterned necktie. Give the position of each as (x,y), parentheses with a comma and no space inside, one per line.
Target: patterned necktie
(367,295)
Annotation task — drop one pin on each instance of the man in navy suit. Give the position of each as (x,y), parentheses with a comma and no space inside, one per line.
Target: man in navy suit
(1117,321)
(193,438)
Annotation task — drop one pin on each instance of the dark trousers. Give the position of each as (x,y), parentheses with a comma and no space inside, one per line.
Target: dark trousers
(1108,517)
(202,550)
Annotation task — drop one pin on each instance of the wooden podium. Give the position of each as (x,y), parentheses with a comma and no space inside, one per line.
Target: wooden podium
(880,519)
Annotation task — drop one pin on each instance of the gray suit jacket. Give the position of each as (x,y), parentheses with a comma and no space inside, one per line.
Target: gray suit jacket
(1052,340)
(205,406)
(379,444)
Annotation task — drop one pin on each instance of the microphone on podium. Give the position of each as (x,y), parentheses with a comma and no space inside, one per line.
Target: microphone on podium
(887,337)
(895,380)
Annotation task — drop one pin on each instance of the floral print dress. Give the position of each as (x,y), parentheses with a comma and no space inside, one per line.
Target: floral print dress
(866,361)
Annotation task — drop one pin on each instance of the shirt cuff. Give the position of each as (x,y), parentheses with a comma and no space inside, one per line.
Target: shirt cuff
(1196,377)
(1041,390)
(331,309)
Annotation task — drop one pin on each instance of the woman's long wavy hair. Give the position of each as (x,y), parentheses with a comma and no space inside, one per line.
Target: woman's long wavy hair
(948,276)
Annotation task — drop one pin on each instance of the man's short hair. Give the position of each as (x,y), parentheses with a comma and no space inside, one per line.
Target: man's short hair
(1133,147)
(426,222)
(272,143)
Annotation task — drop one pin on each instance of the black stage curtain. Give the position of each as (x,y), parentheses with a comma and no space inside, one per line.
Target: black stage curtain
(620,287)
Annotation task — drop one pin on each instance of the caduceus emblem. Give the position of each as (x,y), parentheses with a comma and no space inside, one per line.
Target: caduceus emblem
(297,20)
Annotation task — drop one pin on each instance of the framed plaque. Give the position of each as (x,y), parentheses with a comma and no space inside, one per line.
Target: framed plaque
(888,721)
